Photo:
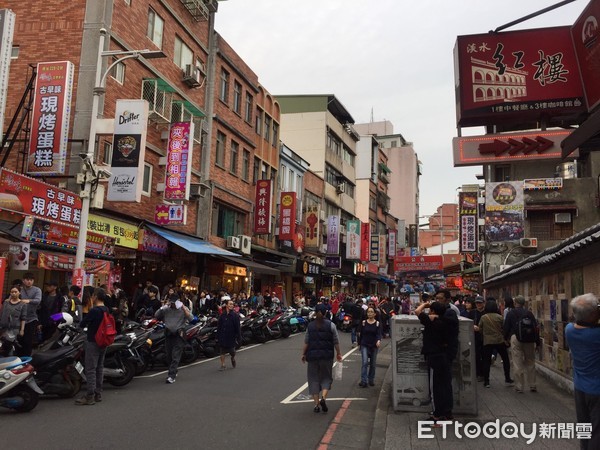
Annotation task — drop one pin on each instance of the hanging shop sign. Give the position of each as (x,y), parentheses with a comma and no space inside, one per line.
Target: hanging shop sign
(50,117)
(382,249)
(234,270)
(307,268)
(7,28)
(467,221)
(152,242)
(55,261)
(25,195)
(179,161)
(60,235)
(424,263)
(511,76)
(333,235)
(365,241)
(129,151)
(3,266)
(170,214)
(287,216)
(298,241)
(586,39)
(542,184)
(313,230)
(333,262)
(374,249)
(391,244)
(504,211)
(124,234)
(262,208)
(353,239)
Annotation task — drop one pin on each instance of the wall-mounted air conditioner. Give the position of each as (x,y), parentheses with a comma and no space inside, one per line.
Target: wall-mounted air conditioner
(233,242)
(192,75)
(528,242)
(245,244)
(341,188)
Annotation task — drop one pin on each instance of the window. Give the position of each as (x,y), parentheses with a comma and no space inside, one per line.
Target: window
(264,171)
(255,170)
(249,102)
(220,156)
(267,128)
(233,162)
(118,72)
(147,183)
(227,222)
(155,28)
(373,203)
(348,156)
(107,153)
(258,125)
(14,52)
(394,144)
(183,54)
(502,173)
(543,227)
(275,134)
(224,89)
(246,165)
(237,97)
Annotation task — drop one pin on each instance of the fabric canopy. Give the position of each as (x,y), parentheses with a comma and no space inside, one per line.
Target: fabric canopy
(190,243)
(252,265)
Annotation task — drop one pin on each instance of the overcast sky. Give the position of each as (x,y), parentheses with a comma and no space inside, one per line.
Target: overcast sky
(389,58)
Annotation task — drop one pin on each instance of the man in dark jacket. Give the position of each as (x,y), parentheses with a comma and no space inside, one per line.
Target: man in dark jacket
(229,332)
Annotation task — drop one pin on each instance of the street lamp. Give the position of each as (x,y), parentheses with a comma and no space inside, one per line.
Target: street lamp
(90,171)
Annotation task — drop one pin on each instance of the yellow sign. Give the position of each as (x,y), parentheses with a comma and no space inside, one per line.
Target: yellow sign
(125,234)
(234,270)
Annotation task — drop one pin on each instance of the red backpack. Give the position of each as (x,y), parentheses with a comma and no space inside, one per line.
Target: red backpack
(107,331)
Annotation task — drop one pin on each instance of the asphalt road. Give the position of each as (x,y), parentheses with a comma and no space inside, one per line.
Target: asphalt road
(262,404)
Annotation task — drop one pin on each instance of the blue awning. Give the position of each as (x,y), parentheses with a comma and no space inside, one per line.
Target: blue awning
(190,243)
(386,279)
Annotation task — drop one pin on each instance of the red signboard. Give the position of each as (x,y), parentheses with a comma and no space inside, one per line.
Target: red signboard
(467,213)
(508,77)
(365,242)
(178,170)
(418,263)
(262,207)
(55,261)
(3,265)
(27,196)
(170,214)
(50,118)
(152,242)
(586,39)
(287,216)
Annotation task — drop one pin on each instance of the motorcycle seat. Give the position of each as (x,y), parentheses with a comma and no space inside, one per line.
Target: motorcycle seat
(42,358)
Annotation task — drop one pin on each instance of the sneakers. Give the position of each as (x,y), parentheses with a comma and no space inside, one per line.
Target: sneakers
(85,400)
(354,344)
(518,391)
(97,398)
(170,380)
(486,385)
(316,409)
(324,405)
(533,389)
(222,368)
(233,362)
(362,384)
(509,382)
(371,383)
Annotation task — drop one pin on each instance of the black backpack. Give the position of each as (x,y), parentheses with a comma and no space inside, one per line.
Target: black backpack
(526,330)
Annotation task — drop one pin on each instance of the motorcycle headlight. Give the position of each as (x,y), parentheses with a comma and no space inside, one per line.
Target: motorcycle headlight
(149,342)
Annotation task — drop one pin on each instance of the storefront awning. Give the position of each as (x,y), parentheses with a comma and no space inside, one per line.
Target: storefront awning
(251,265)
(190,243)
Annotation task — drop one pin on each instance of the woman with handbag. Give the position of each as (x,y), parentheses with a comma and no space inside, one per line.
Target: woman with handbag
(490,326)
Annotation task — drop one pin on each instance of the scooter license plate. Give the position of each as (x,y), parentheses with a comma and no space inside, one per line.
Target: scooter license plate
(79,367)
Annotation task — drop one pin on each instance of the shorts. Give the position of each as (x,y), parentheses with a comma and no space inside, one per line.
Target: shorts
(225,350)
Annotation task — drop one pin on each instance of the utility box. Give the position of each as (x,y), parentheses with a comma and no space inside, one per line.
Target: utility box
(410,376)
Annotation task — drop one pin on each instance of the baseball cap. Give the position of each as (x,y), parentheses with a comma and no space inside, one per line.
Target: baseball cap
(479,299)
(321,308)
(520,299)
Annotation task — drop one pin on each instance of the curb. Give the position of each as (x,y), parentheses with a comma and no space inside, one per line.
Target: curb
(378,435)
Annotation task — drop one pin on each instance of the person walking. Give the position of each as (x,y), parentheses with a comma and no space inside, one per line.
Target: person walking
(229,332)
(523,353)
(94,354)
(12,321)
(369,339)
(320,340)
(583,338)
(32,296)
(490,326)
(173,314)
(475,315)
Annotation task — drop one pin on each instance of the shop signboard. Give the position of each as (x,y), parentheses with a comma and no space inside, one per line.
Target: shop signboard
(333,235)
(312,235)
(374,249)
(391,253)
(179,161)
(423,263)
(125,234)
(467,213)
(382,250)
(7,28)
(287,216)
(50,115)
(170,214)
(3,264)
(152,242)
(308,268)
(262,207)
(333,262)
(66,263)
(504,211)
(365,241)
(586,39)
(353,239)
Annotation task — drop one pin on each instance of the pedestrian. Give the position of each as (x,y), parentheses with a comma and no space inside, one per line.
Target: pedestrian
(475,315)
(94,354)
(173,314)
(490,326)
(437,332)
(319,343)
(12,321)
(51,304)
(357,315)
(32,296)
(369,339)
(509,305)
(583,338)
(229,332)
(72,303)
(522,353)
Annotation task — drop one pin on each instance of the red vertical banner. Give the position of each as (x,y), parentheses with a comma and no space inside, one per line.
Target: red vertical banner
(78,276)
(3,264)
(287,216)
(262,207)
(365,242)
(179,157)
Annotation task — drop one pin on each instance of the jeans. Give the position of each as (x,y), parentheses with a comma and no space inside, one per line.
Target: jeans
(174,346)
(94,366)
(488,350)
(26,341)
(369,360)
(353,333)
(440,381)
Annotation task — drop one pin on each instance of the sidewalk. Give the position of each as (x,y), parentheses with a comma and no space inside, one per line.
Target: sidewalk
(399,430)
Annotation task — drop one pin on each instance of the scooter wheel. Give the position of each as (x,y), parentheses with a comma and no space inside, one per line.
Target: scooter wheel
(128,374)
(30,398)
(75,385)
(285,331)
(190,353)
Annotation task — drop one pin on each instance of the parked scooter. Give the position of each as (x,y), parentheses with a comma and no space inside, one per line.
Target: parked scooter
(18,389)
(56,372)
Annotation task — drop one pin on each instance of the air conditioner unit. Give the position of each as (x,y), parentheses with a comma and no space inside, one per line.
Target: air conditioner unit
(322,216)
(192,75)
(341,188)
(324,248)
(528,242)
(198,190)
(233,242)
(343,230)
(245,244)
(564,217)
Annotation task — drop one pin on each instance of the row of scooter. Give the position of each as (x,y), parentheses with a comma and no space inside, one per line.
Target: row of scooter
(56,367)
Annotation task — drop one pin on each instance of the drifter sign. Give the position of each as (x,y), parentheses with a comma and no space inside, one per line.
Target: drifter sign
(129,149)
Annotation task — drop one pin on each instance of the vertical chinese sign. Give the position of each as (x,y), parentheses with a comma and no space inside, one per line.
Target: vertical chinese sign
(7,27)
(374,249)
(262,207)
(504,211)
(129,151)
(311,236)
(287,216)
(179,161)
(353,239)
(50,118)
(391,254)
(365,241)
(333,235)
(467,214)
(382,249)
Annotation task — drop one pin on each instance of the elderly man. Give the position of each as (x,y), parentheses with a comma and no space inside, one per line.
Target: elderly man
(583,338)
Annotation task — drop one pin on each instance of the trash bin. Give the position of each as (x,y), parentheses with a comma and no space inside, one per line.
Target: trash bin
(410,377)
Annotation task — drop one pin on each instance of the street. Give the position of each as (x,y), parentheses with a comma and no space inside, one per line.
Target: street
(263,403)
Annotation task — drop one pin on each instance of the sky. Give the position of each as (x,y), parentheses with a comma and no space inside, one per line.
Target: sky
(383,60)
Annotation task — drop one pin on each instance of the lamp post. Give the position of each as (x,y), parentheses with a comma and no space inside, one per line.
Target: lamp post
(90,171)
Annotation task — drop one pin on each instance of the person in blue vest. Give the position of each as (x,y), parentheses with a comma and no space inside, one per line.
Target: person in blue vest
(319,343)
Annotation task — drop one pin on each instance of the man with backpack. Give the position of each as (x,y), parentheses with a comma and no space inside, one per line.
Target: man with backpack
(94,353)
(521,331)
